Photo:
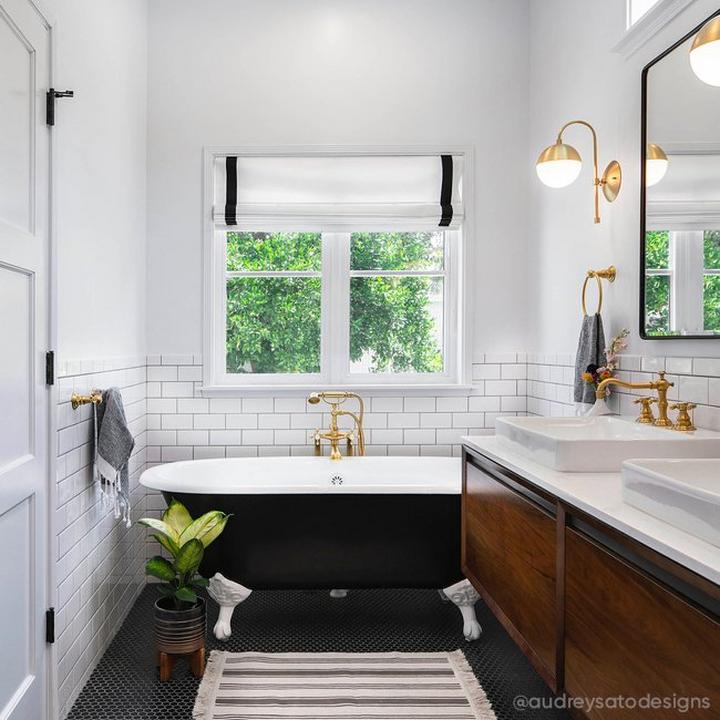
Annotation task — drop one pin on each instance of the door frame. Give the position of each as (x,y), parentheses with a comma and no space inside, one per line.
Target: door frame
(52,697)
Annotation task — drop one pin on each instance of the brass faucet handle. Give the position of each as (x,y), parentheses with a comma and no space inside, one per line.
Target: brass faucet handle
(646,414)
(663,381)
(684,422)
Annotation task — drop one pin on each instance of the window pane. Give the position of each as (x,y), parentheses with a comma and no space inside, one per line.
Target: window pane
(396,251)
(273,251)
(657,305)
(273,325)
(711,249)
(657,249)
(711,303)
(396,325)
(638,8)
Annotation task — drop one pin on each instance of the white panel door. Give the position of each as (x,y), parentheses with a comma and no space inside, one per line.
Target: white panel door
(24,396)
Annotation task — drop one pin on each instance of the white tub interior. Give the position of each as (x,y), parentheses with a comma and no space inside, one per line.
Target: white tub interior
(281,475)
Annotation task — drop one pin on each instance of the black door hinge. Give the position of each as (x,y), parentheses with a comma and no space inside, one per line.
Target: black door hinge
(50,367)
(50,625)
(52,93)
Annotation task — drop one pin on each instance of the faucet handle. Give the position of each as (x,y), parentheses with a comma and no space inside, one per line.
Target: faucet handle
(684,422)
(661,378)
(646,414)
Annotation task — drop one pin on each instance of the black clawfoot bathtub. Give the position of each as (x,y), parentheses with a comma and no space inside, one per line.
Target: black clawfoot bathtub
(312,523)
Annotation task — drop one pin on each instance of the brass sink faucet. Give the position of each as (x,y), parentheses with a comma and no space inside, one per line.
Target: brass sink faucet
(661,386)
(335,398)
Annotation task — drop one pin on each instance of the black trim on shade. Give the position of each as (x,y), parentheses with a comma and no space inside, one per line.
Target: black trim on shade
(231,190)
(446,191)
(643,191)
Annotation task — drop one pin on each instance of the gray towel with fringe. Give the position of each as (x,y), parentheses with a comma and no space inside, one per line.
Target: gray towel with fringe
(590,351)
(113,446)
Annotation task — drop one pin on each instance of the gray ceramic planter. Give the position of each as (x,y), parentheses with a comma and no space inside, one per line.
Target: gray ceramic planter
(179,632)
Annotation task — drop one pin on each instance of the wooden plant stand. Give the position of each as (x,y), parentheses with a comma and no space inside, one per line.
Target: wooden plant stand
(166,662)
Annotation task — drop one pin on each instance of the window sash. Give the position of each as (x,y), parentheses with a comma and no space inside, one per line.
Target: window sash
(687,272)
(335,275)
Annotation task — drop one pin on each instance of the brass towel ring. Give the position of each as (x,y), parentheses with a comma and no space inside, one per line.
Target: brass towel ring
(608,274)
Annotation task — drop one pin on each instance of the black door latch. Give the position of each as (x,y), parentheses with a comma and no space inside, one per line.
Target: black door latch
(52,93)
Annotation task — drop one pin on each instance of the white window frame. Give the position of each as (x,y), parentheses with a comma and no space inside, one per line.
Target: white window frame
(335,297)
(646,28)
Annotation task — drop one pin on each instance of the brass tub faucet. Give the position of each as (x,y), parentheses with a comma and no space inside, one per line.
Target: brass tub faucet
(335,398)
(661,386)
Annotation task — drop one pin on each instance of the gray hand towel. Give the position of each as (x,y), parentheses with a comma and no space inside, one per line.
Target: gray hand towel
(113,446)
(590,351)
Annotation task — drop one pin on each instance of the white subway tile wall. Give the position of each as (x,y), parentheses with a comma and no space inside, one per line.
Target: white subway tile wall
(697,380)
(550,384)
(184,425)
(99,562)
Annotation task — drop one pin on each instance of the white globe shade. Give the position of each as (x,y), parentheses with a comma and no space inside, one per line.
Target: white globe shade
(558,165)
(705,53)
(656,164)
(655,171)
(558,173)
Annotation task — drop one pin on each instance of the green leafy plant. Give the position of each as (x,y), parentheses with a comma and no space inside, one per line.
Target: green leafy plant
(185,540)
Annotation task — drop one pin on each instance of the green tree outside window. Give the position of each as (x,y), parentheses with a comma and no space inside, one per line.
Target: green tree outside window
(274,322)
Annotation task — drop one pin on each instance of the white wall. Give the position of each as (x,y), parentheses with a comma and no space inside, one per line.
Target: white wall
(101,54)
(100,196)
(236,72)
(575,74)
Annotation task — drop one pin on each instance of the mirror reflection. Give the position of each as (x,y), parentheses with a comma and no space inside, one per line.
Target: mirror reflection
(681,269)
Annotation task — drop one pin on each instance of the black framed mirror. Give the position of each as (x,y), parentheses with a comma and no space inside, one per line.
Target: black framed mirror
(680,190)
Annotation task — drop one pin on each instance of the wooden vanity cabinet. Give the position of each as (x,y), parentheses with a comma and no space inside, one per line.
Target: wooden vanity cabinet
(599,614)
(627,634)
(508,553)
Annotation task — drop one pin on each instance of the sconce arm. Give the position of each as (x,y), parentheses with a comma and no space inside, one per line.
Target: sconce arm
(596,178)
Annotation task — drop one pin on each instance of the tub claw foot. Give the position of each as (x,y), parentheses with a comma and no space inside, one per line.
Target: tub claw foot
(464,595)
(227,594)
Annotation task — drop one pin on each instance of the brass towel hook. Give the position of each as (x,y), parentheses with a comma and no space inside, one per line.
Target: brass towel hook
(609,274)
(76,400)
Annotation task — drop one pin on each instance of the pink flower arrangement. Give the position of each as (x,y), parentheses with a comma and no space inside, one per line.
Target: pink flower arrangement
(595,374)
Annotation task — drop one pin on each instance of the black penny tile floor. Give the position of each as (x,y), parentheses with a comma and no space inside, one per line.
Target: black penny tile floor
(125,684)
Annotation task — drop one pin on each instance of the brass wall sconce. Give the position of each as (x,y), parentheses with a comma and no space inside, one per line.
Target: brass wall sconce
(656,164)
(559,165)
(705,53)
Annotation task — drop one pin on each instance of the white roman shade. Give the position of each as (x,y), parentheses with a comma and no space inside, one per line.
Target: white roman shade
(412,192)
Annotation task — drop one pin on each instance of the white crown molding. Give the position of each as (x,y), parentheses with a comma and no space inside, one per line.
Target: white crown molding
(649,25)
(690,147)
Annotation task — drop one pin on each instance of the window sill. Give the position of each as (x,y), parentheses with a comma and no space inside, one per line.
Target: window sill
(434,390)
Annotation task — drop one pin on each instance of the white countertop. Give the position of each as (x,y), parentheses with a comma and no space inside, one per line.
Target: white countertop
(599,495)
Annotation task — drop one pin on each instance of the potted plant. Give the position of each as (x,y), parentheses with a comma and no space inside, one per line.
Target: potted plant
(180,611)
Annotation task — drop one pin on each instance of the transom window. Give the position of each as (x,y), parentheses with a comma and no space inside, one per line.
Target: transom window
(636,9)
(338,307)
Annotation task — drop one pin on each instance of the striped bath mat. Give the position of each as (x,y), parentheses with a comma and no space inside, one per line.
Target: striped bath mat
(340,686)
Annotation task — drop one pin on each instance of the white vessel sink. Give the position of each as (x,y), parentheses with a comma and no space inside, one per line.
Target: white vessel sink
(599,444)
(683,493)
